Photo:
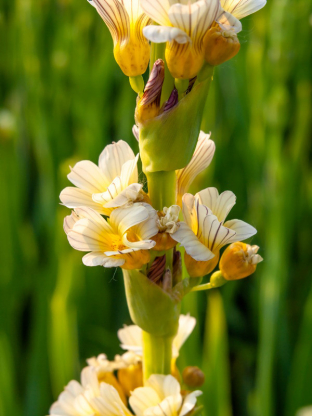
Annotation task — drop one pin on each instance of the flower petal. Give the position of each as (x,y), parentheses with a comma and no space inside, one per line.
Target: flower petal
(242,8)
(129,172)
(113,157)
(115,17)
(189,212)
(189,402)
(157,10)
(97,258)
(147,229)
(201,159)
(229,22)
(220,205)
(74,197)
(242,230)
(186,237)
(109,402)
(187,16)
(130,194)
(130,337)
(86,175)
(91,234)
(122,219)
(138,245)
(160,34)
(143,398)
(70,221)
(211,232)
(186,325)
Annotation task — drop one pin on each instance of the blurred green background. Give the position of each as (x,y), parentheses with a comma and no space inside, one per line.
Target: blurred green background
(63,98)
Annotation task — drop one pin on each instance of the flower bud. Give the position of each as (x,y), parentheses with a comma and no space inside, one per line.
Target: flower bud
(220,45)
(148,106)
(239,260)
(130,378)
(193,377)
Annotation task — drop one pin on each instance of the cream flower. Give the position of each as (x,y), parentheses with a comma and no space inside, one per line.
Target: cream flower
(110,185)
(234,10)
(131,336)
(124,241)
(183,25)
(204,231)
(90,398)
(125,21)
(201,159)
(162,396)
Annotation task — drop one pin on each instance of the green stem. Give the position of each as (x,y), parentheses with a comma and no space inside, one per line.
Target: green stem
(157,353)
(162,188)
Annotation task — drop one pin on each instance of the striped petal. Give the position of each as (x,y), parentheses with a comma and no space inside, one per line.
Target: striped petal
(157,10)
(142,399)
(97,258)
(122,219)
(112,159)
(131,194)
(220,205)
(91,233)
(129,172)
(187,17)
(227,21)
(242,8)
(201,159)
(115,17)
(186,237)
(147,229)
(211,232)
(242,230)
(87,176)
(109,402)
(74,197)
(160,34)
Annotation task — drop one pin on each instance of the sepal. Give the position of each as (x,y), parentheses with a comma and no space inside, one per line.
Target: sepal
(151,308)
(167,142)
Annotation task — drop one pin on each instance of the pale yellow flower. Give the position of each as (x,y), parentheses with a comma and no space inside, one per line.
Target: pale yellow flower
(183,25)
(124,241)
(125,20)
(162,395)
(204,231)
(111,184)
(89,398)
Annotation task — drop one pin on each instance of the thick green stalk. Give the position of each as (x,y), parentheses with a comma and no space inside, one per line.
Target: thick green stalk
(162,188)
(157,352)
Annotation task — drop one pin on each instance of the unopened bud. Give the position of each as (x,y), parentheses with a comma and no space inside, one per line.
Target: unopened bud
(193,377)
(220,45)
(239,260)
(157,269)
(130,378)
(173,100)
(148,106)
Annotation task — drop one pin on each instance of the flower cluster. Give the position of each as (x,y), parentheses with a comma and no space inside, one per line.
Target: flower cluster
(132,228)
(106,386)
(195,31)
